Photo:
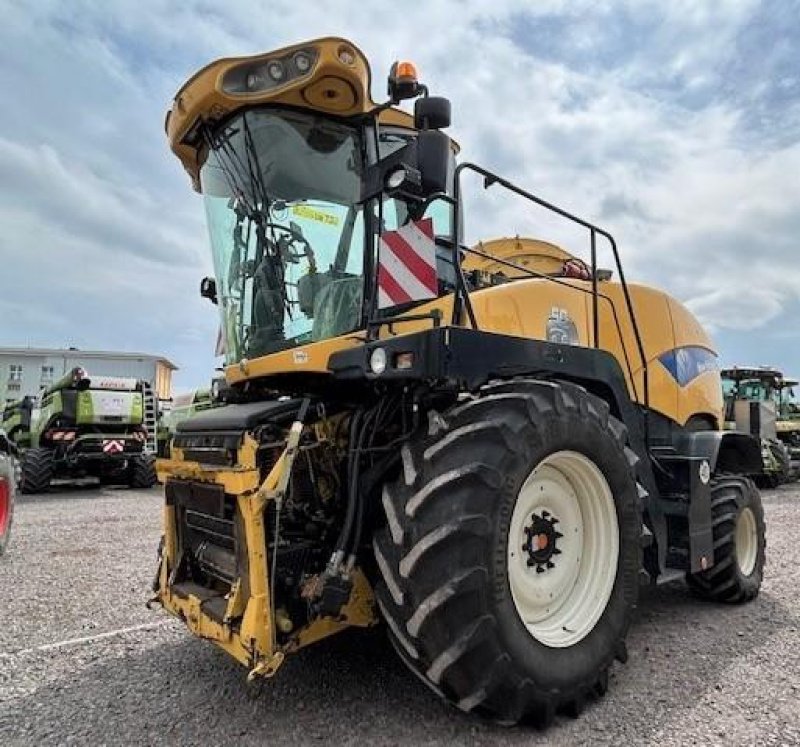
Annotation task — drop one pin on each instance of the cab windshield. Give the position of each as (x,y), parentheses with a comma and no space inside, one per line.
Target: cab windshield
(789,402)
(282,191)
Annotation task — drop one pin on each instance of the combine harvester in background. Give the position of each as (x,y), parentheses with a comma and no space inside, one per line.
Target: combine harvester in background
(487,447)
(100,427)
(753,397)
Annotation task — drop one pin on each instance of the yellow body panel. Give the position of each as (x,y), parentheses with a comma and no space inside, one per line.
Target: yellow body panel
(523,308)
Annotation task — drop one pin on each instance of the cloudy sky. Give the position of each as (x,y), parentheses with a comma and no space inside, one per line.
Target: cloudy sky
(675,125)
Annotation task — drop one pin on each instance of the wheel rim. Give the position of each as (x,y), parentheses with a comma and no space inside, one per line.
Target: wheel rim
(746,541)
(563,549)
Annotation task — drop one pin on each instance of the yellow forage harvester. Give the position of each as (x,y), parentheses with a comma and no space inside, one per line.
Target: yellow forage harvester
(486,447)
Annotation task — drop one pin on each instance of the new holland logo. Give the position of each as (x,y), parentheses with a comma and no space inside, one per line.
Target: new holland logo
(113,446)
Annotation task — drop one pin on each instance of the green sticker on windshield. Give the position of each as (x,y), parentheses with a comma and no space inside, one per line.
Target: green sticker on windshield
(304,211)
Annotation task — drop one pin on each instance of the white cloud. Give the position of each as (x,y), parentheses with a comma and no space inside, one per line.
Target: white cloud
(658,120)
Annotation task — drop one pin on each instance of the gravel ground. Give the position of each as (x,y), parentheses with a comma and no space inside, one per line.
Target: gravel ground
(79,571)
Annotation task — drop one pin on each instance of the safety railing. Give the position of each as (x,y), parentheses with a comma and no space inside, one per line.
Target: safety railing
(462,303)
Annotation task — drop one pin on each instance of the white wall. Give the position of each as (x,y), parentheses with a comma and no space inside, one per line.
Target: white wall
(32,370)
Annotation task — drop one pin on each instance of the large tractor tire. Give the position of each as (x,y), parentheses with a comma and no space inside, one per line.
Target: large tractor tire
(142,471)
(739,543)
(512,549)
(37,470)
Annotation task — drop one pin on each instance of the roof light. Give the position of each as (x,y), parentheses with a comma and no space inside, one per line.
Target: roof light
(302,62)
(264,75)
(406,71)
(276,71)
(403,81)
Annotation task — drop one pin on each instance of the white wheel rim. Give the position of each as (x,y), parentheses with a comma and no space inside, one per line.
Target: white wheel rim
(561,604)
(746,541)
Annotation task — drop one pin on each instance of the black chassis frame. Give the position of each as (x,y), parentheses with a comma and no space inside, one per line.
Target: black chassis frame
(675,464)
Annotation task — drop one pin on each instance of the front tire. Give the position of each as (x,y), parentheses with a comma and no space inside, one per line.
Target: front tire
(737,517)
(37,470)
(468,556)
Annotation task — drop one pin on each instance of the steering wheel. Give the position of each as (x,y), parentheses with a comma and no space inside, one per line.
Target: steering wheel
(286,247)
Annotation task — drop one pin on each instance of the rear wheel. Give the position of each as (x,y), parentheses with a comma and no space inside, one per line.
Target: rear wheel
(739,543)
(142,471)
(512,550)
(37,470)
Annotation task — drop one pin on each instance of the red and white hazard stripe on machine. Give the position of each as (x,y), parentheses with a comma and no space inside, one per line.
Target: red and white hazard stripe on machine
(113,446)
(407,264)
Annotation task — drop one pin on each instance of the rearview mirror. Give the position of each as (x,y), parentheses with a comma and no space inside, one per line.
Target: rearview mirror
(208,289)
(432,113)
(433,161)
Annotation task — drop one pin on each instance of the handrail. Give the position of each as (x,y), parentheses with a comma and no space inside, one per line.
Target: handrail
(462,299)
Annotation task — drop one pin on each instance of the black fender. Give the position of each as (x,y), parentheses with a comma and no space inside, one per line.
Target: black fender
(726,451)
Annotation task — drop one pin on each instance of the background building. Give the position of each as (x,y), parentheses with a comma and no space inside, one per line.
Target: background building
(24,371)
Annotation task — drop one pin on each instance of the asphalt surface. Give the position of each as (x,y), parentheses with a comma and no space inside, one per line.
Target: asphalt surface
(82,661)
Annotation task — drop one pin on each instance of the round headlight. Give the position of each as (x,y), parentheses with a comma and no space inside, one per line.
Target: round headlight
(377,361)
(276,71)
(395,179)
(302,62)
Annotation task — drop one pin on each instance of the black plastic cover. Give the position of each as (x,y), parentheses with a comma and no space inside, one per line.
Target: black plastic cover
(239,417)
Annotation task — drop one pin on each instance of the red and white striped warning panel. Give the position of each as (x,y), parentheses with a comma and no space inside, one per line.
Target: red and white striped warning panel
(113,446)
(407,264)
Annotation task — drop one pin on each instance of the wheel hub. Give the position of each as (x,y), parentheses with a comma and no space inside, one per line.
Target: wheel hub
(540,541)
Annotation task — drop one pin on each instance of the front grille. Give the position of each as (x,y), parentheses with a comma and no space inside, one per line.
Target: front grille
(206,532)
(210,527)
(222,457)
(209,448)
(207,440)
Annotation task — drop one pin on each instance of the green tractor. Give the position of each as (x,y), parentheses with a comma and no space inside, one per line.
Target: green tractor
(788,423)
(88,427)
(751,405)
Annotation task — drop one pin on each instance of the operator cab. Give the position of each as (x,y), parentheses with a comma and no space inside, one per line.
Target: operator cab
(296,201)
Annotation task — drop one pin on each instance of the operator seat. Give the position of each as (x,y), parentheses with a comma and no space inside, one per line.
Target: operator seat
(337,307)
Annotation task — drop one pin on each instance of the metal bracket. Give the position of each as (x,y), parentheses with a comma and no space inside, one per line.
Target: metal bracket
(266,667)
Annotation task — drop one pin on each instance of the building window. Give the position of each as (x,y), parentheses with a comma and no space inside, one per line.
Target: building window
(47,374)
(15,372)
